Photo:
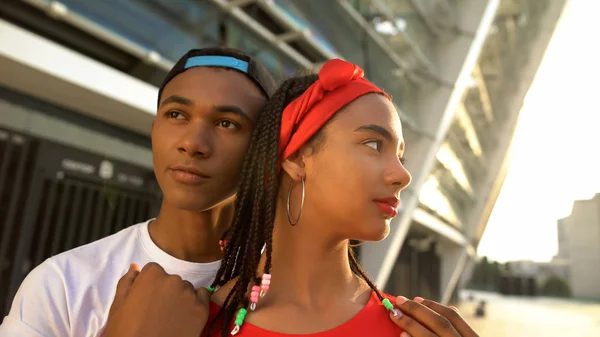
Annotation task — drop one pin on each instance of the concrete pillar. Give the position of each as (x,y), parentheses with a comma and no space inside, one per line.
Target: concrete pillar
(454,259)
(498,160)
(465,277)
(455,59)
(516,88)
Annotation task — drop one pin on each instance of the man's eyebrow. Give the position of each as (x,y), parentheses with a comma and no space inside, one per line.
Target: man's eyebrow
(177,99)
(232,109)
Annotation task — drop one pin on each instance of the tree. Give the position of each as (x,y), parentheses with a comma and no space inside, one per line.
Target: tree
(483,275)
(555,286)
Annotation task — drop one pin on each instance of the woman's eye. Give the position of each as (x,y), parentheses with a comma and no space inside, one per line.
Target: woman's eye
(374,144)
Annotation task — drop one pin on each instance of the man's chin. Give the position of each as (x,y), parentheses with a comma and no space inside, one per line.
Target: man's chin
(195,204)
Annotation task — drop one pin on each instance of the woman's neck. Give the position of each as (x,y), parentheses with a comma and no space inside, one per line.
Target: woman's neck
(309,269)
(191,236)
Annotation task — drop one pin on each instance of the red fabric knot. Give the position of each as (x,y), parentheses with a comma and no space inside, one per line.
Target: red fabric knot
(339,83)
(336,73)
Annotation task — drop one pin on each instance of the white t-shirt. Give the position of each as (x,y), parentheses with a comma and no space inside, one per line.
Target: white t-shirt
(70,294)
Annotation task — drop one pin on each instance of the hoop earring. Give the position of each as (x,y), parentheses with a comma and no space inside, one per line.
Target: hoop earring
(289,214)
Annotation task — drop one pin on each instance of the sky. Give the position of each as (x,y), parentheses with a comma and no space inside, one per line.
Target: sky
(556,156)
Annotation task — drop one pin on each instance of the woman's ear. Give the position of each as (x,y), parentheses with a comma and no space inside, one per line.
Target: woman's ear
(294,167)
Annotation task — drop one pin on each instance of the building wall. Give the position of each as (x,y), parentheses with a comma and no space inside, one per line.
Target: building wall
(32,116)
(563,249)
(582,240)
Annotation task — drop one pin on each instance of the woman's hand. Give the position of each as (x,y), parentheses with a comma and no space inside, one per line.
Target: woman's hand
(426,318)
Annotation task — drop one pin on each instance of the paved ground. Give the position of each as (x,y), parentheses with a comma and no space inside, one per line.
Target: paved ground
(538,317)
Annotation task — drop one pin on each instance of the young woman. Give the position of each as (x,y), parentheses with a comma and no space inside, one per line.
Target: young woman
(325,166)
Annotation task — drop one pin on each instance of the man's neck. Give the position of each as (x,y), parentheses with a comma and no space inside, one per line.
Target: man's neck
(191,236)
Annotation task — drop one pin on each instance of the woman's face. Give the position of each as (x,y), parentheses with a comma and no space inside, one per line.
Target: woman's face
(355,174)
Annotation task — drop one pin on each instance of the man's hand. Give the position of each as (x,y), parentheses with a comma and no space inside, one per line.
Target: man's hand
(425,318)
(152,303)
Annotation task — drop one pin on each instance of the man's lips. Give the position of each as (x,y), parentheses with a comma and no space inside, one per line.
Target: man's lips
(188,174)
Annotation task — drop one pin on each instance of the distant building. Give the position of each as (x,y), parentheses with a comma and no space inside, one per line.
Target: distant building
(579,248)
(541,271)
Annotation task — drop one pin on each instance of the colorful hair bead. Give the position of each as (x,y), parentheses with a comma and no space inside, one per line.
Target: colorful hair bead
(264,284)
(390,307)
(211,289)
(387,304)
(239,320)
(222,244)
(256,293)
(254,297)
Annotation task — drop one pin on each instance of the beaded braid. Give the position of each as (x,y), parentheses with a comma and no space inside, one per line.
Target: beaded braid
(254,218)
(229,268)
(358,270)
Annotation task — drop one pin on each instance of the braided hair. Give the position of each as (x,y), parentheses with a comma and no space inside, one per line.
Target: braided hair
(255,205)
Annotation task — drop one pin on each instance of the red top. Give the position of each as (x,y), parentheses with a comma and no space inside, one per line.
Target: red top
(372,320)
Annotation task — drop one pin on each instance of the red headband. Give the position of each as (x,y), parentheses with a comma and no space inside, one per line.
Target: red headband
(339,83)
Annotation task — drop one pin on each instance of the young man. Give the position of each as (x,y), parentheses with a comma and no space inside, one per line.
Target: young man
(207,106)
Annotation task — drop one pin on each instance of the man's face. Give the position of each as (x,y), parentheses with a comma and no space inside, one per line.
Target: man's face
(200,136)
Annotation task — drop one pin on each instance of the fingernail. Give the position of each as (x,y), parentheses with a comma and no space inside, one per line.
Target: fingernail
(404,334)
(401,300)
(396,313)
(419,299)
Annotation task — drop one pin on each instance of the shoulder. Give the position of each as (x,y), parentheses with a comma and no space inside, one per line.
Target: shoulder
(377,317)
(217,299)
(388,297)
(94,269)
(71,283)
(391,298)
(221,294)
(40,304)
(100,251)
(214,323)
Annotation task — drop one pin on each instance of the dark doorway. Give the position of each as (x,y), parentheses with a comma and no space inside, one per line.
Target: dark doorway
(54,198)
(417,270)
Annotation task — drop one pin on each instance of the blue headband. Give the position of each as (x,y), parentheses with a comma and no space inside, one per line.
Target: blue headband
(217,61)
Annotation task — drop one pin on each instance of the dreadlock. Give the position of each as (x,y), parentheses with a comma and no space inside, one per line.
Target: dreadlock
(255,205)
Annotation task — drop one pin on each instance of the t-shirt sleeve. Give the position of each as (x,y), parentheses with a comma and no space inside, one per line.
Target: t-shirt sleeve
(40,306)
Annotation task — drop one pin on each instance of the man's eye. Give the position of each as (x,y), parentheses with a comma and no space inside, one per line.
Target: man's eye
(175,115)
(227,124)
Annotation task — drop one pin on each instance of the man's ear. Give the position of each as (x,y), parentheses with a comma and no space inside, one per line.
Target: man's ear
(294,166)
